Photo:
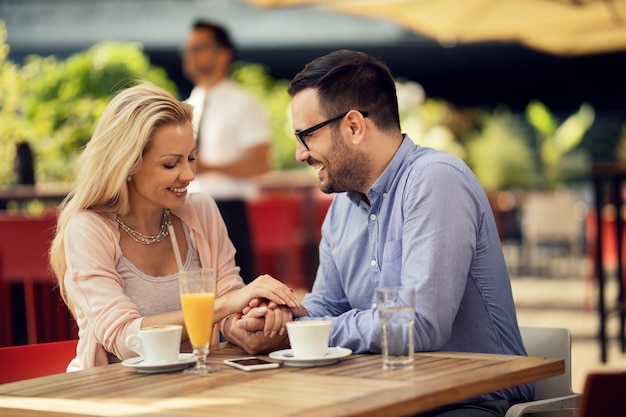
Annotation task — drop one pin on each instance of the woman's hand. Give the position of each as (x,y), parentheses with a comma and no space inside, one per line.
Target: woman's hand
(298,311)
(264,287)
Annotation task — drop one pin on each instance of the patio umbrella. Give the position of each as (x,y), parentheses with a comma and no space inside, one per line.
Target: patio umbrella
(561,27)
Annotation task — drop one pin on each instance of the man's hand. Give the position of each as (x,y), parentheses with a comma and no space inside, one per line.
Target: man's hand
(255,342)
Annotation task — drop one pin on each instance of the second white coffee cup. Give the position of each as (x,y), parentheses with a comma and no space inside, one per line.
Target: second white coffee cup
(156,344)
(309,338)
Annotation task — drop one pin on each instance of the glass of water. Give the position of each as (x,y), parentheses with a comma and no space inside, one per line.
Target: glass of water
(396,310)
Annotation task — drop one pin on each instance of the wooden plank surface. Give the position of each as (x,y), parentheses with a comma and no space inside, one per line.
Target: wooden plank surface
(356,385)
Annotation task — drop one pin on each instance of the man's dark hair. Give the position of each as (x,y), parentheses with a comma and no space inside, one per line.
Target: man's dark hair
(346,80)
(222,38)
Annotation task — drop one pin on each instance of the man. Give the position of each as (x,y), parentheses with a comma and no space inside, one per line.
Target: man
(232,133)
(403,215)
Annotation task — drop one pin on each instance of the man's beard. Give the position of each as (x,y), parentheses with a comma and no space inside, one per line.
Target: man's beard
(346,170)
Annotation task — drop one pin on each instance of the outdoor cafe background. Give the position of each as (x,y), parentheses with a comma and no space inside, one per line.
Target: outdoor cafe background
(529,123)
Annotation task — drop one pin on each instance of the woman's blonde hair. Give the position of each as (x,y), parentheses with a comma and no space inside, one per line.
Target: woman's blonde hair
(122,135)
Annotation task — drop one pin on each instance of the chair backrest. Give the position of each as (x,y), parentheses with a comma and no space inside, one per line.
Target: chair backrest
(550,342)
(35,360)
(550,216)
(603,394)
(276,221)
(24,244)
(321,203)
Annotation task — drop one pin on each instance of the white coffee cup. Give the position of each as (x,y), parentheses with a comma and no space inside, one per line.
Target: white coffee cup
(309,338)
(156,344)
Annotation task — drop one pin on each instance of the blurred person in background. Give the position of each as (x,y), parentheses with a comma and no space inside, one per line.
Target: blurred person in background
(233,134)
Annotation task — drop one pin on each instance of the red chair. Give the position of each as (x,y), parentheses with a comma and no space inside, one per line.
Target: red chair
(603,395)
(31,361)
(24,246)
(321,204)
(609,249)
(277,230)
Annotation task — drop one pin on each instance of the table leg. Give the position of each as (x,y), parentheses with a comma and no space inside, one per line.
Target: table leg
(617,198)
(600,270)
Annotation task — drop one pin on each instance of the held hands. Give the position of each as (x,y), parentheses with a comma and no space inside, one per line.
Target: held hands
(261,329)
(265,305)
(259,316)
(262,315)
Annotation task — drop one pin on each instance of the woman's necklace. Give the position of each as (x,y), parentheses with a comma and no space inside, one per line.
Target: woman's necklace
(148,240)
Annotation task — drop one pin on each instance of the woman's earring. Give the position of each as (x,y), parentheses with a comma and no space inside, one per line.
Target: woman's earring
(129,178)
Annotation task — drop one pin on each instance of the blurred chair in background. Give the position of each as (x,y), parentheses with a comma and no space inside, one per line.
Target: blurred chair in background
(31,361)
(552,225)
(24,245)
(278,236)
(603,395)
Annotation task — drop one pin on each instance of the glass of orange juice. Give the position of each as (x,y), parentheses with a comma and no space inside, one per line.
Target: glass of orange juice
(197,297)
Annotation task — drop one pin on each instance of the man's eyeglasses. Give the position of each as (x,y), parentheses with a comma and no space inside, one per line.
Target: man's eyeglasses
(301,135)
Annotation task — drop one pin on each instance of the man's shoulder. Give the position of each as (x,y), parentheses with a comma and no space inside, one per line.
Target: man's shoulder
(230,86)
(427,155)
(433,160)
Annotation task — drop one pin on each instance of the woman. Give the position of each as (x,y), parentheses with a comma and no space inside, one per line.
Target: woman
(112,254)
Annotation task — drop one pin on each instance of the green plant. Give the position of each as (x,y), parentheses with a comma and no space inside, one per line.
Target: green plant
(556,142)
(498,151)
(427,121)
(54,104)
(12,125)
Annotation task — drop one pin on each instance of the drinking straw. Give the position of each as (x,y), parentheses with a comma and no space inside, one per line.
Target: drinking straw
(179,261)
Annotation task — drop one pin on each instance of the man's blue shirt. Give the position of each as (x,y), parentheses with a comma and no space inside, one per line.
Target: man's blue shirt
(428,225)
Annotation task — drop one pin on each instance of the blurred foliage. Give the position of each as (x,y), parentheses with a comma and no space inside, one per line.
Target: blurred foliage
(429,123)
(505,150)
(555,142)
(499,152)
(53,104)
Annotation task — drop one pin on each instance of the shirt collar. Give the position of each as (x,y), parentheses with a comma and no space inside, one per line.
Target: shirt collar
(384,182)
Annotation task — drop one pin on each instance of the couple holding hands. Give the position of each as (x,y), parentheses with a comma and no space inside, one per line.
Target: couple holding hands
(403,215)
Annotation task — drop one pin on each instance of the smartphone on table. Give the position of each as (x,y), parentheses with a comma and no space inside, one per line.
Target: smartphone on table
(251,363)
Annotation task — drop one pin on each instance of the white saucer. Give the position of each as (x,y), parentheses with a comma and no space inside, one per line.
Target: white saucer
(185,360)
(332,355)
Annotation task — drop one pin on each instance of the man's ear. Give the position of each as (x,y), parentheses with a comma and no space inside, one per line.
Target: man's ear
(226,58)
(357,126)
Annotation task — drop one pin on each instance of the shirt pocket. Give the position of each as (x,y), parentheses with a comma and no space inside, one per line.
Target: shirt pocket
(392,263)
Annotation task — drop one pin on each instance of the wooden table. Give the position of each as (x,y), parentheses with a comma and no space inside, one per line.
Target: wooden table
(357,385)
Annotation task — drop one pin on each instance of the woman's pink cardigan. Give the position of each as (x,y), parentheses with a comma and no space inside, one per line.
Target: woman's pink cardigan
(104,314)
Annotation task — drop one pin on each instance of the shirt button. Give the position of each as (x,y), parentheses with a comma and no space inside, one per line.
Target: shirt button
(384,194)
(372,217)
(373,262)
